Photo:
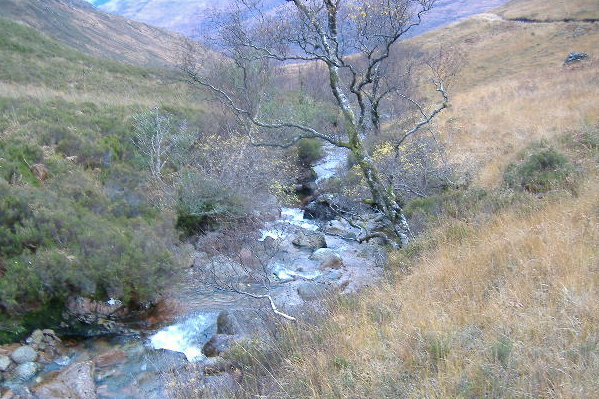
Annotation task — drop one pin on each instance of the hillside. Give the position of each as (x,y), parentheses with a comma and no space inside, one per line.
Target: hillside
(81,221)
(499,298)
(496,296)
(189,16)
(83,27)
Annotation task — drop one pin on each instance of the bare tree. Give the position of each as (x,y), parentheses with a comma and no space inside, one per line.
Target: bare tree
(160,140)
(353,40)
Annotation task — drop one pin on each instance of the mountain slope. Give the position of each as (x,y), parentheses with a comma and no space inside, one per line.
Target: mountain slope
(187,16)
(80,25)
(500,298)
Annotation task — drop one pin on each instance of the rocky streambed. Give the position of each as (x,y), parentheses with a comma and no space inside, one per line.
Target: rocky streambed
(195,323)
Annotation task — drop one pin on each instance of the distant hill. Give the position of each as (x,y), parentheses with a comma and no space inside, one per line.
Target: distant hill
(82,26)
(187,16)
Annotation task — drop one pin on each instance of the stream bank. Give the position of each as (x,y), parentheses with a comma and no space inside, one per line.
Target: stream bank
(306,261)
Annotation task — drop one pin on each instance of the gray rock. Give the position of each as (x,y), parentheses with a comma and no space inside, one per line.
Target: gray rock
(218,344)
(25,371)
(74,382)
(310,239)
(341,228)
(320,209)
(24,354)
(575,56)
(36,338)
(310,291)
(227,324)
(324,254)
(4,363)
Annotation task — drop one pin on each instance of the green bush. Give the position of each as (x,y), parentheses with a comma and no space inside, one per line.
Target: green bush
(309,151)
(204,202)
(543,170)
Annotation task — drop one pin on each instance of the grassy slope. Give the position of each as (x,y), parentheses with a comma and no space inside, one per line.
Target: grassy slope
(81,26)
(558,9)
(501,298)
(86,228)
(514,87)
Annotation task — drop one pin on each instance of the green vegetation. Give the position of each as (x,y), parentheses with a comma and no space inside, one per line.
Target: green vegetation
(309,151)
(542,169)
(83,226)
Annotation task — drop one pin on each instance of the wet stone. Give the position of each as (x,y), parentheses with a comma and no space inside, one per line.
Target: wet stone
(24,354)
(25,371)
(4,363)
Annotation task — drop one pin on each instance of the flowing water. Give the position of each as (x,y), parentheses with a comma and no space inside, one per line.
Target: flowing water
(149,352)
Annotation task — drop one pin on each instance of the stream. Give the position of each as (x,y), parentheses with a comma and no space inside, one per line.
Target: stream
(142,356)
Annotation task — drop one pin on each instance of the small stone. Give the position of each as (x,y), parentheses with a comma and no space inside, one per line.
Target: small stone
(24,354)
(36,338)
(25,371)
(575,56)
(4,363)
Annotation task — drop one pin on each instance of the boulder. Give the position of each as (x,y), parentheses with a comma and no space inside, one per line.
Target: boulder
(341,228)
(74,382)
(328,258)
(321,209)
(25,371)
(218,344)
(5,362)
(331,263)
(310,239)
(322,254)
(24,354)
(311,291)
(88,318)
(227,324)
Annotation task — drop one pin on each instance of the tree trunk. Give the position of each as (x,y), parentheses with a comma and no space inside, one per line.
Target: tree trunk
(384,198)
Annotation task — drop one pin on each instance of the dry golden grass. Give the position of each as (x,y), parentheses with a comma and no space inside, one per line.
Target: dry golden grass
(551,9)
(509,309)
(514,88)
(504,307)
(489,124)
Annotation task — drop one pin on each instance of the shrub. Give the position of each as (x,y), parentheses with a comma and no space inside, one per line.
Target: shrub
(204,201)
(309,151)
(502,351)
(60,239)
(543,170)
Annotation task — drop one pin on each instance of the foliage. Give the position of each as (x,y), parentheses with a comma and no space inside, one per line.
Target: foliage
(161,141)
(203,201)
(542,170)
(309,151)
(62,242)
